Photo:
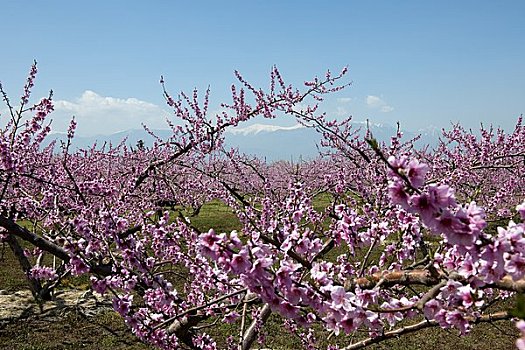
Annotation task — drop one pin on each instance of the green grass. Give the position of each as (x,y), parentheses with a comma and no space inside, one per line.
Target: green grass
(216,215)
(11,276)
(72,331)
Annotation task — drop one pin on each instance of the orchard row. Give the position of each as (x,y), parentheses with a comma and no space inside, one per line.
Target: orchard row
(430,237)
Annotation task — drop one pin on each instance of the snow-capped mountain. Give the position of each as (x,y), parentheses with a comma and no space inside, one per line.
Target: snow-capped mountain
(263,140)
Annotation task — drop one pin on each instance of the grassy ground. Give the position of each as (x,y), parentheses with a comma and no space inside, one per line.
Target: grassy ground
(72,330)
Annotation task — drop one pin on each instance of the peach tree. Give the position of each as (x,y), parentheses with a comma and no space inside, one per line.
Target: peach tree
(406,239)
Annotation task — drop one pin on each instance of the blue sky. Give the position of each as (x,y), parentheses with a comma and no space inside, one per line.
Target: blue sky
(421,63)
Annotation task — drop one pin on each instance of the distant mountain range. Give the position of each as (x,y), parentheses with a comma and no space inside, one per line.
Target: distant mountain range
(263,140)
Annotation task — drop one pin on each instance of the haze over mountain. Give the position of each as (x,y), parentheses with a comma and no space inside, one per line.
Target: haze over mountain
(263,140)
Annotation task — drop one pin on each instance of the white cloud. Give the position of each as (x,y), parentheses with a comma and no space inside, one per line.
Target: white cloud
(344,99)
(341,112)
(376,102)
(257,128)
(96,114)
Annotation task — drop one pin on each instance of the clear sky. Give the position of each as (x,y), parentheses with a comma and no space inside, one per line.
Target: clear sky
(421,63)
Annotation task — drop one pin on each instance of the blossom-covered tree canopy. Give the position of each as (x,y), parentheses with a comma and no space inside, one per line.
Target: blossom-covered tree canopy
(430,237)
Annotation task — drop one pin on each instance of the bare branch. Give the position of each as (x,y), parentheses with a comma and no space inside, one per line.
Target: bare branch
(421,325)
